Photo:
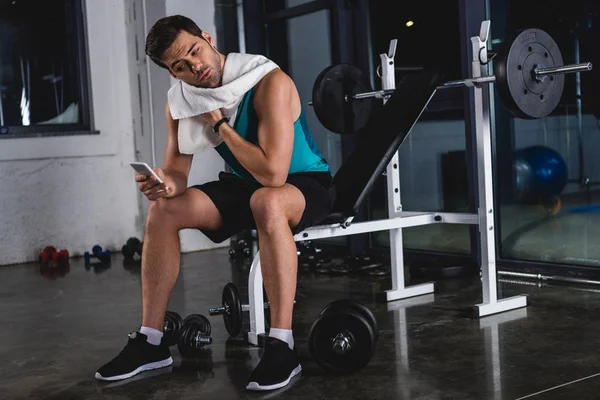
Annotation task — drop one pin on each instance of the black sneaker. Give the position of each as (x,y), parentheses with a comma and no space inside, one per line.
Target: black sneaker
(137,356)
(276,368)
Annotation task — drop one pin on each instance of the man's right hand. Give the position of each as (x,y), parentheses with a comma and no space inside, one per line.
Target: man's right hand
(150,187)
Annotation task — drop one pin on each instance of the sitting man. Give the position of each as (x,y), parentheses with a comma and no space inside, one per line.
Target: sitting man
(280,185)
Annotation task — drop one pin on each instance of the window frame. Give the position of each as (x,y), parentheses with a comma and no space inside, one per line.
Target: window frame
(75,10)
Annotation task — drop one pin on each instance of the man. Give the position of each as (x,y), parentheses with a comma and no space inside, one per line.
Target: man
(280,185)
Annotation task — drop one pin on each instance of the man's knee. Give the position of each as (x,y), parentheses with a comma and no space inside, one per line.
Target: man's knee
(267,207)
(159,212)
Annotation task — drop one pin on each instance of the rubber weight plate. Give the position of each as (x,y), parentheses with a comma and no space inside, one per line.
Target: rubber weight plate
(362,341)
(192,324)
(349,304)
(200,321)
(524,95)
(233,318)
(172,328)
(328,97)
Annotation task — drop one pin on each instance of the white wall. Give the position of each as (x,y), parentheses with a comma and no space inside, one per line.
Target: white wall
(76,191)
(205,166)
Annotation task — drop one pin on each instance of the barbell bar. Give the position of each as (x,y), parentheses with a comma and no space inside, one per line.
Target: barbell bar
(521,66)
(537,72)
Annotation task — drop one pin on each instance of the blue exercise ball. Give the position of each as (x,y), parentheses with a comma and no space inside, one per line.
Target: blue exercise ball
(540,173)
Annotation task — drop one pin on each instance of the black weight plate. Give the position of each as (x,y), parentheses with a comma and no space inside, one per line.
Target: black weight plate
(231,300)
(524,95)
(172,327)
(199,322)
(341,305)
(326,327)
(328,96)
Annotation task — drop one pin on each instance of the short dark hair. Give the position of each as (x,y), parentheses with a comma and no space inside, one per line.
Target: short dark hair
(164,32)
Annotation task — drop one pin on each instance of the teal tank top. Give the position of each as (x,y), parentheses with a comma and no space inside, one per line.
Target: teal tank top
(306,156)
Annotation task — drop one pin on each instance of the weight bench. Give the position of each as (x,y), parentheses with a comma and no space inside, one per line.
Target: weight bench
(376,152)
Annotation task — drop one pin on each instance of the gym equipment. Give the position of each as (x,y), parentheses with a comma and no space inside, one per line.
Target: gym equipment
(97,252)
(540,172)
(132,247)
(172,328)
(240,248)
(310,256)
(342,339)
(194,335)
(376,155)
(232,309)
(528,70)
(50,255)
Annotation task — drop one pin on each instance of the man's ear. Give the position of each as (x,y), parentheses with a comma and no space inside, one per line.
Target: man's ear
(171,73)
(209,39)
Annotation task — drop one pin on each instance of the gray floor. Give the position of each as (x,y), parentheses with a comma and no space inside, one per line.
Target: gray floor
(57,332)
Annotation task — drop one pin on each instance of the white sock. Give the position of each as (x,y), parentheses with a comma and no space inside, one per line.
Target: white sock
(284,335)
(154,335)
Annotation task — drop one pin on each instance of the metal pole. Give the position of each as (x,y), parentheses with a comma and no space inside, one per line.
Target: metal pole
(565,69)
(548,277)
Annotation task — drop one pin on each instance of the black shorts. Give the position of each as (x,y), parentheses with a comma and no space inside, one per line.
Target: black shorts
(231,195)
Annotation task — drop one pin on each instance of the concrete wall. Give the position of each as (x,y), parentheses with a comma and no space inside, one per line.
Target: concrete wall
(76,191)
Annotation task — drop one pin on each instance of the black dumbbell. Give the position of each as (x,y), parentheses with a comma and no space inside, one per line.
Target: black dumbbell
(132,247)
(342,340)
(194,335)
(172,328)
(232,309)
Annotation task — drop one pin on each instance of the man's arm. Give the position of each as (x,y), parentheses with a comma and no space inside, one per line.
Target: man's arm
(277,104)
(177,166)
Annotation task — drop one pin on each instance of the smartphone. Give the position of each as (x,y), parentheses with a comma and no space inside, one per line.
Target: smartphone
(144,169)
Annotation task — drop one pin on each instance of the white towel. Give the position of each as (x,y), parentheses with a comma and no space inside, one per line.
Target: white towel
(186,102)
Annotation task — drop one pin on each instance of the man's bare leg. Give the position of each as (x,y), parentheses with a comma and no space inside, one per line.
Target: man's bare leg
(275,210)
(161,251)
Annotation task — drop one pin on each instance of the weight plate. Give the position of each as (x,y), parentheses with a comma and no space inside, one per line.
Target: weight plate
(328,97)
(362,342)
(198,322)
(233,318)
(342,305)
(524,95)
(172,327)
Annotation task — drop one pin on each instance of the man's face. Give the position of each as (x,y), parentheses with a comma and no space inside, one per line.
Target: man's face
(194,60)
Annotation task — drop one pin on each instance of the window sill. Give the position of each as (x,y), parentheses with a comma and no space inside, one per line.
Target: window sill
(47,134)
(66,144)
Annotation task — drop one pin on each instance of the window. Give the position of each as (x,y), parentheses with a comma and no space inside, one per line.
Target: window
(43,74)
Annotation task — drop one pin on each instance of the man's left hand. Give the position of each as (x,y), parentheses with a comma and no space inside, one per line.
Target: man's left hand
(212,117)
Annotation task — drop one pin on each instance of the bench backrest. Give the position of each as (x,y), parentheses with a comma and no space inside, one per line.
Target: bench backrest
(380,139)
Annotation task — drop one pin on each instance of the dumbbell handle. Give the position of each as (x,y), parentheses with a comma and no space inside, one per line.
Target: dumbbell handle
(224,309)
(218,310)
(200,340)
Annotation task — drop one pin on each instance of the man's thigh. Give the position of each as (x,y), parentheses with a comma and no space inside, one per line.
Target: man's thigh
(231,196)
(319,195)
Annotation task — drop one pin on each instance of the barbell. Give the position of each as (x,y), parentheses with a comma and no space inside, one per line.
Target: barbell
(528,72)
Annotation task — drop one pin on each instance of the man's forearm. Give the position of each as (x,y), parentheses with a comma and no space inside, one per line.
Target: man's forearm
(250,156)
(175,180)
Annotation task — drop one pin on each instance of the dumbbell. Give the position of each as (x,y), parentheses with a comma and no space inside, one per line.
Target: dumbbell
(342,339)
(97,252)
(132,247)
(232,309)
(194,335)
(49,253)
